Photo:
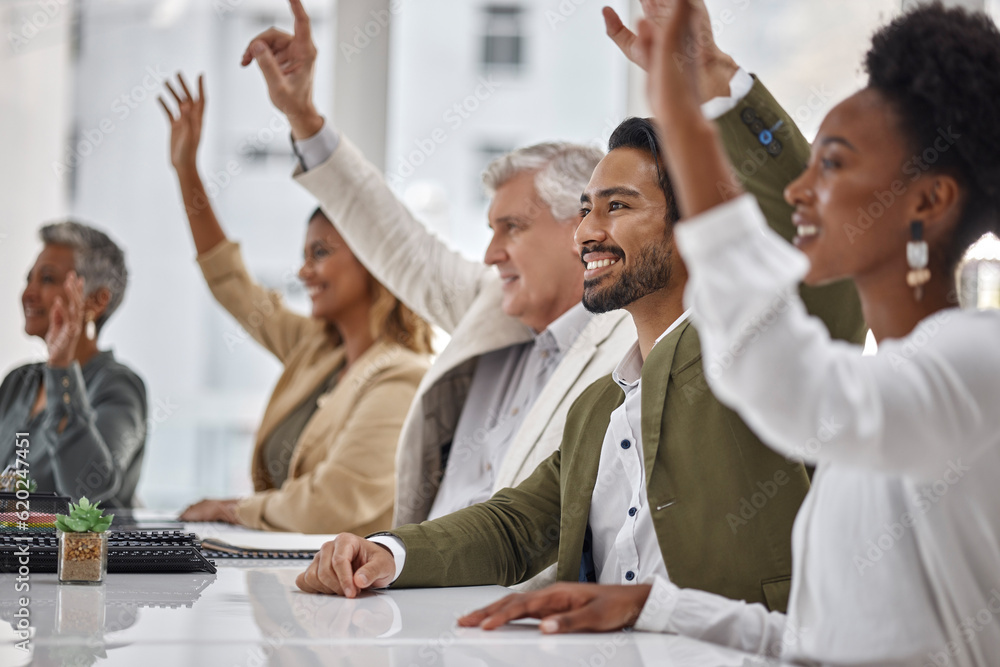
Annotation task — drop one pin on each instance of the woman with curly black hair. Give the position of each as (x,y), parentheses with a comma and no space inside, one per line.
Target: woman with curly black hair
(896,548)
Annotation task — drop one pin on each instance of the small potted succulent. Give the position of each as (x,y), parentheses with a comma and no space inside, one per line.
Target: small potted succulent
(83,543)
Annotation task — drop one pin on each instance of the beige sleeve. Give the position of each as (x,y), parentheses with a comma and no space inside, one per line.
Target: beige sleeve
(260,312)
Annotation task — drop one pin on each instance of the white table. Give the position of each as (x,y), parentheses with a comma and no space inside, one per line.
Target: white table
(250,614)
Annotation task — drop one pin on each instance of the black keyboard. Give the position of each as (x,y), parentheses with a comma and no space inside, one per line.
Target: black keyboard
(128,552)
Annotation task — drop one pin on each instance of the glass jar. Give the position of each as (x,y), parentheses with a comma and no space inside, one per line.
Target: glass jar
(83,557)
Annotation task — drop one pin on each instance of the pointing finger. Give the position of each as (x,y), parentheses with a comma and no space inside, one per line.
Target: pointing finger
(302,27)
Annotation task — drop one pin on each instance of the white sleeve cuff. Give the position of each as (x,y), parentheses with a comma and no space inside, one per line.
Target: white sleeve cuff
(739,87)
(396,547)
(318,148)
(659,607)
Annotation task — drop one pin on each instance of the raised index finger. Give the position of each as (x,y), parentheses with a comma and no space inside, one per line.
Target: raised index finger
(616,30)
(302,28)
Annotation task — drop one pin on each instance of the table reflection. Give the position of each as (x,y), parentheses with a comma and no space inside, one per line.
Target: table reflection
(402,628)
(76,621)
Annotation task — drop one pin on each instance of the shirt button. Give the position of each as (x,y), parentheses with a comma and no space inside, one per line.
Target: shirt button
(626,444)
(66,399)
(630,575)
(513,413)
(632,511)
(65,382)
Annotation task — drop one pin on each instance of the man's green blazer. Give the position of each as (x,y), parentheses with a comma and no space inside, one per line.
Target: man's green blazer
(722,503)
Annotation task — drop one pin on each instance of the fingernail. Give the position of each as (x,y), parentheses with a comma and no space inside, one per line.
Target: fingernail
(549,626)
(363,580)
(257,47)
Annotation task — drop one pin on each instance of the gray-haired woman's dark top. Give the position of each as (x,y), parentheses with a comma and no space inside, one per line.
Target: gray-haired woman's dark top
(98,451)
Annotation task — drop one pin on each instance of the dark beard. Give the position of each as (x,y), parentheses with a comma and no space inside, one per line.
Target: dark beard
(650,271)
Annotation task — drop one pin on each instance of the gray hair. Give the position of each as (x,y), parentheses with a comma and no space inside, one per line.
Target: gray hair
(563,171)
(97,259)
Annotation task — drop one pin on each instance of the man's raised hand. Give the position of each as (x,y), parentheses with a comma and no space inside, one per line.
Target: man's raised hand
(288,63)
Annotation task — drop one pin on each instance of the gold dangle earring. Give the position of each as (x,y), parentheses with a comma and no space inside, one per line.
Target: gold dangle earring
(918,257)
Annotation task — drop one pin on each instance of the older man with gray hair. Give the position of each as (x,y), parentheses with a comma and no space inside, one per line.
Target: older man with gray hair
(522,346)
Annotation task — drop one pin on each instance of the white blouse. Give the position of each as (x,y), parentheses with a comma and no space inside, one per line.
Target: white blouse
(897,546)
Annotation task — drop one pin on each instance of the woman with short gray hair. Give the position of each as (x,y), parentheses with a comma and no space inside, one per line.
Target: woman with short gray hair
(82,413)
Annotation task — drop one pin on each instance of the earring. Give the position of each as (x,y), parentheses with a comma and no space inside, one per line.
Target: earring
(90,331)
(917,256)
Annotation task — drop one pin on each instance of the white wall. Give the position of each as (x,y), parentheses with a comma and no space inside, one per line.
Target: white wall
(34,110)
(573,88)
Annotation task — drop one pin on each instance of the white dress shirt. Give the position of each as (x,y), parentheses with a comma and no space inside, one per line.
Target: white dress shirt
(896,549)
(625,547)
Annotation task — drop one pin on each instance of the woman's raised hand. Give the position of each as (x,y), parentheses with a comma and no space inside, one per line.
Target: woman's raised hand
(715,67)
(185,125)
(65,323)
(677,51)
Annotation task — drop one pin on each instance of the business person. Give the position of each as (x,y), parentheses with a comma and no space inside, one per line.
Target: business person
(82,412)
(324,458)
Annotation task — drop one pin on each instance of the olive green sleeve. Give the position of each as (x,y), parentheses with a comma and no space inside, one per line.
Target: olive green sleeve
(512,536)
(768,152)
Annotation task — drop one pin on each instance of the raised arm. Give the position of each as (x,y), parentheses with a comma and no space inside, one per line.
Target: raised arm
(812,398)
(759,149)
(185,137)
(260,312)
(828,404)
(438,283)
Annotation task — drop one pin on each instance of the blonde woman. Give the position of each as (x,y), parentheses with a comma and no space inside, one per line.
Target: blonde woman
(324,459)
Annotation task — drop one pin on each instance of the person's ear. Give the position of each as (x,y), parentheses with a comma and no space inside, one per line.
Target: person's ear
(939,204)
(97,302)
